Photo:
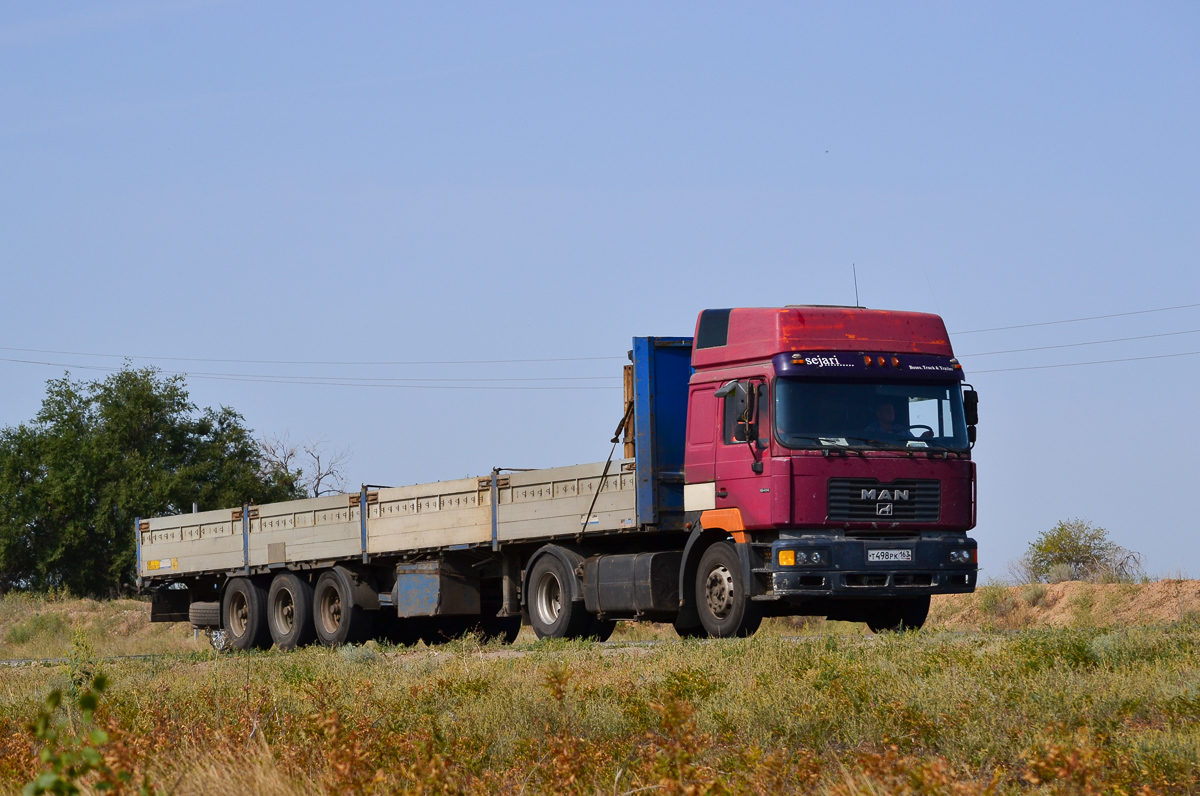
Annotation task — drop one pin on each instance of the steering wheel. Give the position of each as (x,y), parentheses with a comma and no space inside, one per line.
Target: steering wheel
(928,430)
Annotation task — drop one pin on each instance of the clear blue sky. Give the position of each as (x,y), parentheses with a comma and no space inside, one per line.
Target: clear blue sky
(384,181)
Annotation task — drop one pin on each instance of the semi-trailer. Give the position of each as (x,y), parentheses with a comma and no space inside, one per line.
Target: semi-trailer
(799,460)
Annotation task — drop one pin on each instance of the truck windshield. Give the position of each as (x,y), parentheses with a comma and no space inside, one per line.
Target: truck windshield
(906,415)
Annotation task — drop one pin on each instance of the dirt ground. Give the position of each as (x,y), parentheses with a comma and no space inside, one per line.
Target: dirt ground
(1069,604)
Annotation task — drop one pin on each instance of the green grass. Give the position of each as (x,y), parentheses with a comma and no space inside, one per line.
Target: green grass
(1080,710)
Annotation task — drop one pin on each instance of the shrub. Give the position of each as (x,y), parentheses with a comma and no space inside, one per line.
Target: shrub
(1078,550)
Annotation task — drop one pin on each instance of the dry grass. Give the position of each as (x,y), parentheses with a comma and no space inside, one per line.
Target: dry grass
(798,709)
(1068,604)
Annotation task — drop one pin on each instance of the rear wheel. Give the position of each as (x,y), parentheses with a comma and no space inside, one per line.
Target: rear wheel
(551,611)
(290,611)
(722,597)
(905,613)
(338,619)
(244,615)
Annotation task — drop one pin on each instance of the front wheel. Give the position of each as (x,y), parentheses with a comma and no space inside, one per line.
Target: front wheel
(722,597)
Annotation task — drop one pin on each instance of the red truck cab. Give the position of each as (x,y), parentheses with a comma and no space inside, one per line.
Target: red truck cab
(833,444)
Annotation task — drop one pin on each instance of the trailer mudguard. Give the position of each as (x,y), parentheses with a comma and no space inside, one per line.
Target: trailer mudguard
(571,559)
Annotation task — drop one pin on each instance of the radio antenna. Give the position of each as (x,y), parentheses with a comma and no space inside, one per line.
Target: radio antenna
(854,270)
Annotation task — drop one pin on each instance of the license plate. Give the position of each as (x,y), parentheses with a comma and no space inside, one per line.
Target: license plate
(889,555)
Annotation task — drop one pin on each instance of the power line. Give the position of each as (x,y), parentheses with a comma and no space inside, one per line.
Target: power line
(311,362)
(1095,362)
(477,384)
(1076,345)
(1077,320)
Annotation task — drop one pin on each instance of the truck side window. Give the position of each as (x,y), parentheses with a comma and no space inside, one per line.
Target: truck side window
(735,408)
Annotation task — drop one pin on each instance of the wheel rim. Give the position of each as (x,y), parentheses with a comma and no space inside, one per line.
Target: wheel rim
(331,610)
(549,598)
(719,592)
(239,613)
(284,611)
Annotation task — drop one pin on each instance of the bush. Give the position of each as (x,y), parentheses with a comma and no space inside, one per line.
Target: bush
(1078,550)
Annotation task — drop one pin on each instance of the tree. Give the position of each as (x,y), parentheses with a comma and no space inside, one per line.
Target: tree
(1078,550)
(322,472)
(101,453)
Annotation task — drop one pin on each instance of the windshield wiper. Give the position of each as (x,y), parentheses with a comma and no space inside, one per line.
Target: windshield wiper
(879,442)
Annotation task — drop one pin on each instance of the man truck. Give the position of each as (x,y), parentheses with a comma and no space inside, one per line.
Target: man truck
(803,460)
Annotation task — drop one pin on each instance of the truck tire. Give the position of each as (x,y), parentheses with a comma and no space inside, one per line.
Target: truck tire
(244,615)
(551,611)
(722,597)
(205,615)
(290,611)
(338,619)
(904,613)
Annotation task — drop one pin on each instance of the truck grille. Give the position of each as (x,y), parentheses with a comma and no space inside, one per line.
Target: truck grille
(867,500)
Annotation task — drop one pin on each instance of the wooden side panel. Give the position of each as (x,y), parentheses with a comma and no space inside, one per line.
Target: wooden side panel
(553,502)
(430,515)
(536,504)
(210,540)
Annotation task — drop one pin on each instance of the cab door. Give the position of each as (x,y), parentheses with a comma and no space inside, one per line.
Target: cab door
(742,451)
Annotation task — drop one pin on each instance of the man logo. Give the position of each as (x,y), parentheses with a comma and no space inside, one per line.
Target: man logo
(883,509)
(884,494)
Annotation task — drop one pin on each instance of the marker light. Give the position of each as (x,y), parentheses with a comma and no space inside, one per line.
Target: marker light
(895,362)
(881,361)
(957,366)
(787,558)
(867,360)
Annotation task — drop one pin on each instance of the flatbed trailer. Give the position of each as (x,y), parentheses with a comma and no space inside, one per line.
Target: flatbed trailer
(683,527)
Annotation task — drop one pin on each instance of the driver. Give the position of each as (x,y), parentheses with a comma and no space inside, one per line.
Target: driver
(885,422)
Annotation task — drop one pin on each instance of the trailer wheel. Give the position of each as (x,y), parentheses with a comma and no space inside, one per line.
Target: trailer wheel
(244,615)
(898,614)
(290,611)
(722,598)
(337,618)
(551,611)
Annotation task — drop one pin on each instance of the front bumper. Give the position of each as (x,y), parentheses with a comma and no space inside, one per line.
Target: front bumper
(846,568)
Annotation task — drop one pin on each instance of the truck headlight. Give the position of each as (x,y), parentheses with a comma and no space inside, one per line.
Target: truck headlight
(962,556)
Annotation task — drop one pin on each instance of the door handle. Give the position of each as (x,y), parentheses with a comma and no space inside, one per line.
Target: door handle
(722,493)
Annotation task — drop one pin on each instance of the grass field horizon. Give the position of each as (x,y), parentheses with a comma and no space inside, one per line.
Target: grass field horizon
(1009,690)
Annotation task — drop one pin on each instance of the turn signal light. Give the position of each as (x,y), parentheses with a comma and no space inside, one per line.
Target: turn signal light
(787,558)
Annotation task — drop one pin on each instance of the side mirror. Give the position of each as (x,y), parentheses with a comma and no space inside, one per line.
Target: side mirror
(971,434)
(971,407)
